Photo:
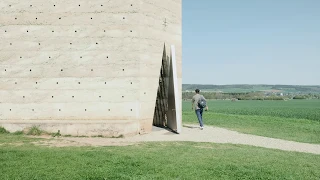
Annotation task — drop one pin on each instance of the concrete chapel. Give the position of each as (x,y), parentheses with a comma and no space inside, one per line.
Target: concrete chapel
(84,67)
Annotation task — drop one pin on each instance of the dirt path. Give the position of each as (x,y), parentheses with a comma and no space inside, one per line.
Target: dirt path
(191,133)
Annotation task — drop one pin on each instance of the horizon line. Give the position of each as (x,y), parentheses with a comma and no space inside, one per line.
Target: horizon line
(252,84)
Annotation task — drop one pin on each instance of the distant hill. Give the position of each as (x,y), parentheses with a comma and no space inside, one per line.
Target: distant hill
(244,88)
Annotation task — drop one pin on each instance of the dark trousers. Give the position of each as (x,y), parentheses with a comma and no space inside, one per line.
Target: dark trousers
(199,115)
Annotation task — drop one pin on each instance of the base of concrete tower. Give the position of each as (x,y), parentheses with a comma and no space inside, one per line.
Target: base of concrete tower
(106,128)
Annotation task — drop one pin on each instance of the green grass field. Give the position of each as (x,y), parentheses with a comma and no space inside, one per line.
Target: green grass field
(292,120)
(21,160)
(297,120)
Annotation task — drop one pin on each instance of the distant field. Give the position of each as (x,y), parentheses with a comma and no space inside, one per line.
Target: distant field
(300,109)
(297,120)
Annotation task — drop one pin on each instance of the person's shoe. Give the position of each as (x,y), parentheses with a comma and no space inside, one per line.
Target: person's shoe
(201,127)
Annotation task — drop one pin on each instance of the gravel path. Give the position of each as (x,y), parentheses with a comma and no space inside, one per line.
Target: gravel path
(192,133)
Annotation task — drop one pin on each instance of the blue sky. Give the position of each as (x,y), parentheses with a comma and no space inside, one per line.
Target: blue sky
(251,42)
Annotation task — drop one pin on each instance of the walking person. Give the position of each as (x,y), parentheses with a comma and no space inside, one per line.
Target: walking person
(198,104)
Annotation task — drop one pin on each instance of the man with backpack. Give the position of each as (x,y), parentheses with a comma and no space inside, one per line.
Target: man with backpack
(198,104)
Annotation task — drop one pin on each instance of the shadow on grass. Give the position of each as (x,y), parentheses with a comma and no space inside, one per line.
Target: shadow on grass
(191,126)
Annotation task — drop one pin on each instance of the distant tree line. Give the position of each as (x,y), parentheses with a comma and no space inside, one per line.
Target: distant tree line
(249,88)
(249,96)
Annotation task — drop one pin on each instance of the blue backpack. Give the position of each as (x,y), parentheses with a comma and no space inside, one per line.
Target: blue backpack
(202,103)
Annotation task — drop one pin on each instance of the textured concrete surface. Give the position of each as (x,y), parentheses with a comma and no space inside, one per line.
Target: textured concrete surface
(85,60)
(76,127)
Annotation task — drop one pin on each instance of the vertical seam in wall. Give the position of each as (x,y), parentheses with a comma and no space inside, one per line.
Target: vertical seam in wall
(140,86)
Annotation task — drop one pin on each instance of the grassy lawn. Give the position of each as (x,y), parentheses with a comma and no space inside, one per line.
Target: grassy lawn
(289,120)
(163,160)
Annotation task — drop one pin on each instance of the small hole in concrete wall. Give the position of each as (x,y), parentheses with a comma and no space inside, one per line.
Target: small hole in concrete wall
(96,43)
(54,5)
(122,96)
(15,18)
(124,18)
(99,96)
(70,43)
(49,57)
(101,5)
(15,83)
(91,18)
(52,31)
(52,97)
(61,69)
(131,5)
(39,44)
(72,96)
(130,109)
(30,5)
(107,57)
(131,82)
(9,5)
(10,109)
(10,43)
(59,109)
(91,69)
(78,82)
(5,30)
(23,96)
(80,56)
(108,109)
(5,69)
(32,109)
(122,69)
(145,93)
(27,31)
(79,4)
(20,57)
(36,18)
(85,109)
(59,17)
(104,30)
(130,30)
(36,82)
(30,69)
(57,82)
(105,82)
(75,31)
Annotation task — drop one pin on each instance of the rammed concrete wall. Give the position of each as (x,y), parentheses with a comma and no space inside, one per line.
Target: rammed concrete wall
(85,61)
